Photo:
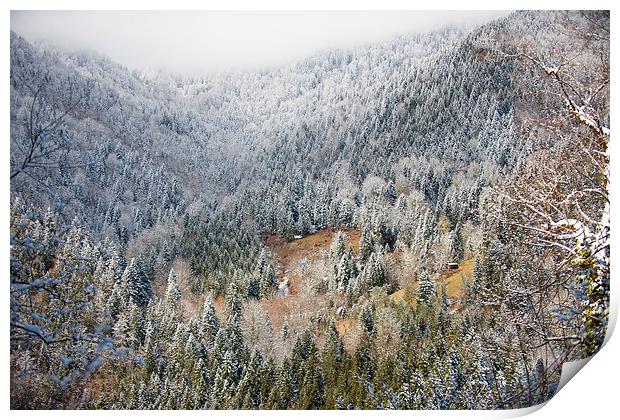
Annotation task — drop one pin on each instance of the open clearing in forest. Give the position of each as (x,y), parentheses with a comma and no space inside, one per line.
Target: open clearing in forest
(291,259)
(453,279)
(294,260)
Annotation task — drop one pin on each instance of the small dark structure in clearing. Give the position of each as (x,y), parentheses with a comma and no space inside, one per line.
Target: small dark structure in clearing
(453,265)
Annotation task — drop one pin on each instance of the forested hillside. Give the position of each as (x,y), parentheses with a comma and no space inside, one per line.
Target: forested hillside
(289,238)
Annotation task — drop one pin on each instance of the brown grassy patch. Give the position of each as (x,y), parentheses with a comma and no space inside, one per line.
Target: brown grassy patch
(402,296)
(348,330)
(453,279)
(288,256)
(296,261)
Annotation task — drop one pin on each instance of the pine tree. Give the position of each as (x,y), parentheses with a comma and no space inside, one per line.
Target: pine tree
(233,301)
(405,396)
(138,284)
(337,249)
(456,244)
(426,289)
(173,293)
(363,371)
(217,350)
(209,323)
(150,349)
(312,392)
(374,272)
(127,329)
(367,318)
(281,396)
(380,231)
(261,262)
(107,274)
(118,299)
(284,331)
(332,357)
(444,304)
(267,281)
(235,344)
(347,271)
(253,287)
(200,384)
(191,352)
(366,245)
(225,382)
(248,395)
(178,341)
(421,401)
(478,275)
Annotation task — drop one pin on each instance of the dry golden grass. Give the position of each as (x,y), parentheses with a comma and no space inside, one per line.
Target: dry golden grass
(349,331)
(453,279)
(401,296)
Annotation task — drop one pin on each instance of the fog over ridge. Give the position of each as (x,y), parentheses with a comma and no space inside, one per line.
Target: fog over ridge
(202,42)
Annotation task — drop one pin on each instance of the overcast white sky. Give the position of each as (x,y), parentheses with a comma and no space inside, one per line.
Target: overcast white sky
(206,42)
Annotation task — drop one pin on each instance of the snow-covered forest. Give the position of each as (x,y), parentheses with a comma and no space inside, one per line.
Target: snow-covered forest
(422,223)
